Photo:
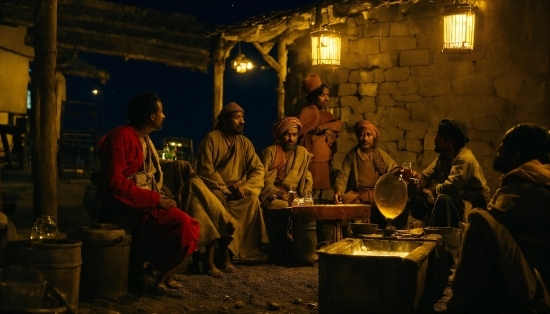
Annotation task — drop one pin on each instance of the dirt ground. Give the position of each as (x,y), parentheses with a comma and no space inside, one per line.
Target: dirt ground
(255,287)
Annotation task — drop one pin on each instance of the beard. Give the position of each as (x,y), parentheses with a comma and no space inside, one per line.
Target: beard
(438,149)
(289,146)
(501,164)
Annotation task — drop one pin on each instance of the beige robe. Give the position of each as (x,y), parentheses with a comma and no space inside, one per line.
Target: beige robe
(195,199)
(219,165)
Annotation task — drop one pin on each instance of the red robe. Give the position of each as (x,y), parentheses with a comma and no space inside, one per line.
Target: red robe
(321,146)
(171,233)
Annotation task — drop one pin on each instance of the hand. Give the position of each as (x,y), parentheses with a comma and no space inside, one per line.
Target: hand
(236,191)
(338,197)
(283,196)
(166,203)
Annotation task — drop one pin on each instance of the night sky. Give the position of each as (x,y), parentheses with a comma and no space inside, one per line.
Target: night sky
(188,96)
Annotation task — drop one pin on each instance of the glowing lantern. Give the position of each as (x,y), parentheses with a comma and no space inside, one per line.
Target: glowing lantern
(458,31)
(325,47)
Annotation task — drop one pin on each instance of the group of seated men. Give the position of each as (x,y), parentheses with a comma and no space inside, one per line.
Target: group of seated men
(222,202)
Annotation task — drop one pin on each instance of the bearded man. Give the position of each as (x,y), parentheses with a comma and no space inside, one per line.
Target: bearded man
(363,165)
(505,264)
(229,166)
(286,166)
(458,178)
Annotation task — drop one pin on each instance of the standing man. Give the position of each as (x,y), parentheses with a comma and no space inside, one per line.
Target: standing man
(129,188)
(458,175)
(363,165)
(318,134)
(229,166)
(286,168)
(505,263)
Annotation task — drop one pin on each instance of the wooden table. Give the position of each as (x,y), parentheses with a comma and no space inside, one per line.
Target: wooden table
(335,213)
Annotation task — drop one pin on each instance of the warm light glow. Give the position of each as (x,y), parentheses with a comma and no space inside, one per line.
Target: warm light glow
(325,48)
(458,32)
(95,92)
(241,63)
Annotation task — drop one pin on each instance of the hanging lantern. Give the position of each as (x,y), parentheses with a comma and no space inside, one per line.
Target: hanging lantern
(241,63)
(458,28)
(325,47)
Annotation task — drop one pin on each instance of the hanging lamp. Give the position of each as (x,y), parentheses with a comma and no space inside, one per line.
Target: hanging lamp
(458,28)
(325,47)
(241,63)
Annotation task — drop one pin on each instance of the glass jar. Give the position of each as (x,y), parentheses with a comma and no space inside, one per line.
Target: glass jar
(308,198)
(48,228)
(35,231)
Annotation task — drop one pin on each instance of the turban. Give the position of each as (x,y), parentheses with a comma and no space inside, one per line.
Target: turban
(284,125)
(367,125)
(311,83)
(454,127)
(229,108)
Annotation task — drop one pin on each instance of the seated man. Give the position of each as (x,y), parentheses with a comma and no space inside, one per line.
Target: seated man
(286,166)
(129,188)
(363,165)
(505,261)
(458,175)
(229,166)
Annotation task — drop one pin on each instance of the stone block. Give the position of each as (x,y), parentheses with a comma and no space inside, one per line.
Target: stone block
(379,75)
(387,88)
(396,74)
(353,119)
(400,43)
(383,60)
(349,101)
(372,28)
(354,31)
(368,89)
(391,134)
(385,101)
(388,147)
(404,28)
(387,122)
(373,117)
(339,76)
(401,145)
(481,148)
(347,89)
(409,125)
(451,70)
(416,134)
(368,46)
(361,76)
(367,104)
(345,114)
(407,98)
(475,85)
(416,57)
(431,86)
(422,70)
(441,58)
(422,110)
(486,123)
(398,114)
(508,86)
(414,146)
(408,87)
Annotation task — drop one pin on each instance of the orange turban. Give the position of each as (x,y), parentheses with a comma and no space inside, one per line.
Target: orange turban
(284,125)
(367,125)
(311,83)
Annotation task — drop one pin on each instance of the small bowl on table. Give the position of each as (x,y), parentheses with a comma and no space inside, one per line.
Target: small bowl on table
(363,228)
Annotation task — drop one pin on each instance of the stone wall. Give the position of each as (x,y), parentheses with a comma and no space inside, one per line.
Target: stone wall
(393,73)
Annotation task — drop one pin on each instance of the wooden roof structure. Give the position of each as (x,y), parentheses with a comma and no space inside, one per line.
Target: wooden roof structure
(98,26)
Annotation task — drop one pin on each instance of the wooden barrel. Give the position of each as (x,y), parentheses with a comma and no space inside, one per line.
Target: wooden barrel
(105,254)
(304,241)
(58,259)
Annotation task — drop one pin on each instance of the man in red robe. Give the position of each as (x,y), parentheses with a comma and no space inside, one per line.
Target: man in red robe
(129,188)
(318,135)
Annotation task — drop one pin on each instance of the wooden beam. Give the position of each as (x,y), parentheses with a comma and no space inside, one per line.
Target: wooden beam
(269,59)
(44,166)
(282,54)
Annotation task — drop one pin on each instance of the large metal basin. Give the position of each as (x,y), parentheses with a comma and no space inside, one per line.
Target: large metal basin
(351,283)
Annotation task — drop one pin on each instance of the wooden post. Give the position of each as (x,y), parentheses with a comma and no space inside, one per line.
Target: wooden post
(44,134)
(282,55)
(220,54)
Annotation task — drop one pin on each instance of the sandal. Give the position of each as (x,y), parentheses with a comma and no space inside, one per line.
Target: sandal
(179,277)
(172,284)
(164,291)
(229,269)
(214,272)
